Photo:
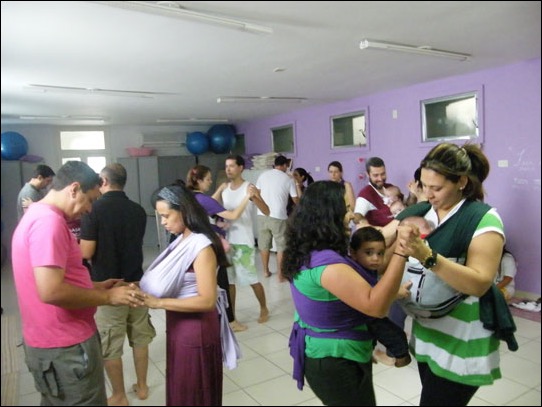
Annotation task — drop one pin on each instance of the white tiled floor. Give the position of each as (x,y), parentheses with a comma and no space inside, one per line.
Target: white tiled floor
(263,376)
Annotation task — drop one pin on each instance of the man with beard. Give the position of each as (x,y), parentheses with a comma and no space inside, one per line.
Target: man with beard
(372,209)
(371,204)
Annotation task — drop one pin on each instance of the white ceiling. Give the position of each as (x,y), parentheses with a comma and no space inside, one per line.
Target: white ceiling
(90,45)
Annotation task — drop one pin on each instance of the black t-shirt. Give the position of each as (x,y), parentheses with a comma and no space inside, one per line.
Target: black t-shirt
(118,226)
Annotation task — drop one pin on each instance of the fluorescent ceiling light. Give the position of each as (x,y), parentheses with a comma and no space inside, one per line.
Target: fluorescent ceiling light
(65,117)
(94,91)
(192,120)
(424,50)
(259,99)
(175,9)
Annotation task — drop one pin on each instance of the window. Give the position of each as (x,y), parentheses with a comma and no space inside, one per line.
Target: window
(87,146)
(283,139)
(349,130)
(450,118)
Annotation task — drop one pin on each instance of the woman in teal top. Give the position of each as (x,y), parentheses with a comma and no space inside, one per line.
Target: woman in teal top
(455,353)
(334,298)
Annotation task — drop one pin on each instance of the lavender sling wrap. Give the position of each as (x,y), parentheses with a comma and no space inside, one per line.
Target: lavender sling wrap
(167,277)
(334,315)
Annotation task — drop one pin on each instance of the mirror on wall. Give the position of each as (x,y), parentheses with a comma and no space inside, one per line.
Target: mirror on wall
(449,118)
(349,130)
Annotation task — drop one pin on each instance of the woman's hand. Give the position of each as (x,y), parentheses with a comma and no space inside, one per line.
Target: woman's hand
(151,301)
(253,191)
(413,187)
(409,242)
(26,202)
(222,187)
(126,294)
(349,217)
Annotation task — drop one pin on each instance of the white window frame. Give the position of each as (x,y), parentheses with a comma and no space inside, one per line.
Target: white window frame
(84,155)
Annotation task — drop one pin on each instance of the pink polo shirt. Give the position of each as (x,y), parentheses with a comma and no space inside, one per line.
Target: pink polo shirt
(42,239)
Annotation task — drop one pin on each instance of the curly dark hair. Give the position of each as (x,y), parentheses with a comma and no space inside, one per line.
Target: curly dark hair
(317,223)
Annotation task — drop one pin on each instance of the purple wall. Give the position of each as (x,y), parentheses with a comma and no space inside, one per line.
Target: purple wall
(511,131)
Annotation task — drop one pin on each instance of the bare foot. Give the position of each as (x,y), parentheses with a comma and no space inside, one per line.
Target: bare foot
(142,392)
(267,274)
(117,401)
(264,316)
(237,326)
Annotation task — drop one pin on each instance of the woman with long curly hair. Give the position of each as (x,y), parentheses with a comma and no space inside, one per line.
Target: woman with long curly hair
(334,299)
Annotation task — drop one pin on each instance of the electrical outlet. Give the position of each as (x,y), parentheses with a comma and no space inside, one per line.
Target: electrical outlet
(502,163)
(316,169)
(394,113)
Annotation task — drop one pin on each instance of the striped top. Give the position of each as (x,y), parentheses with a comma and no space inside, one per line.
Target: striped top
(457,347)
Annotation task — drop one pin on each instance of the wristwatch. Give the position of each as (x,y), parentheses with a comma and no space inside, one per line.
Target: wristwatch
(431,260)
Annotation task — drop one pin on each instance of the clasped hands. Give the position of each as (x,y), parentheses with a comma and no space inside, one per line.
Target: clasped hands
(123,293)
(409,242)
(253,191)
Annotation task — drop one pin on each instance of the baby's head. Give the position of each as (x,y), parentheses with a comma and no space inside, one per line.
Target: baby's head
(421,223)
(367,247)
(393,193)
(396,207)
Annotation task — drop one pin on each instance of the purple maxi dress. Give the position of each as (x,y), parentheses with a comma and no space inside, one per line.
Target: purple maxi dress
(193,358)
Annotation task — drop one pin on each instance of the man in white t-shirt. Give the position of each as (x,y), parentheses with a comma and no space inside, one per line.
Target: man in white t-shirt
(240,234)
(275,186)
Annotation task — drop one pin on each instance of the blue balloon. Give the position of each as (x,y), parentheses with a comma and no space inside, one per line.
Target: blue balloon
(14,145)
(221,138)
(197,143)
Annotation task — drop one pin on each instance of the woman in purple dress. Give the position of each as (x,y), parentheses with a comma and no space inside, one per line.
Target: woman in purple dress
(182,280)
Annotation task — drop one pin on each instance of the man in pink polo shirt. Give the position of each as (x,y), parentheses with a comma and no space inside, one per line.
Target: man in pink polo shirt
(57,298)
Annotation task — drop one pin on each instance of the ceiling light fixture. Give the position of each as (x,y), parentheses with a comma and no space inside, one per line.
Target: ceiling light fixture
(101,119)
(94,91)
(259,99)
(175,9)
(192,120)
(424,50)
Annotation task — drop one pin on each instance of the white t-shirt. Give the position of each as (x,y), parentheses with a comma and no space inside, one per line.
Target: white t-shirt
(507,268)
(240,231)
(276,186)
